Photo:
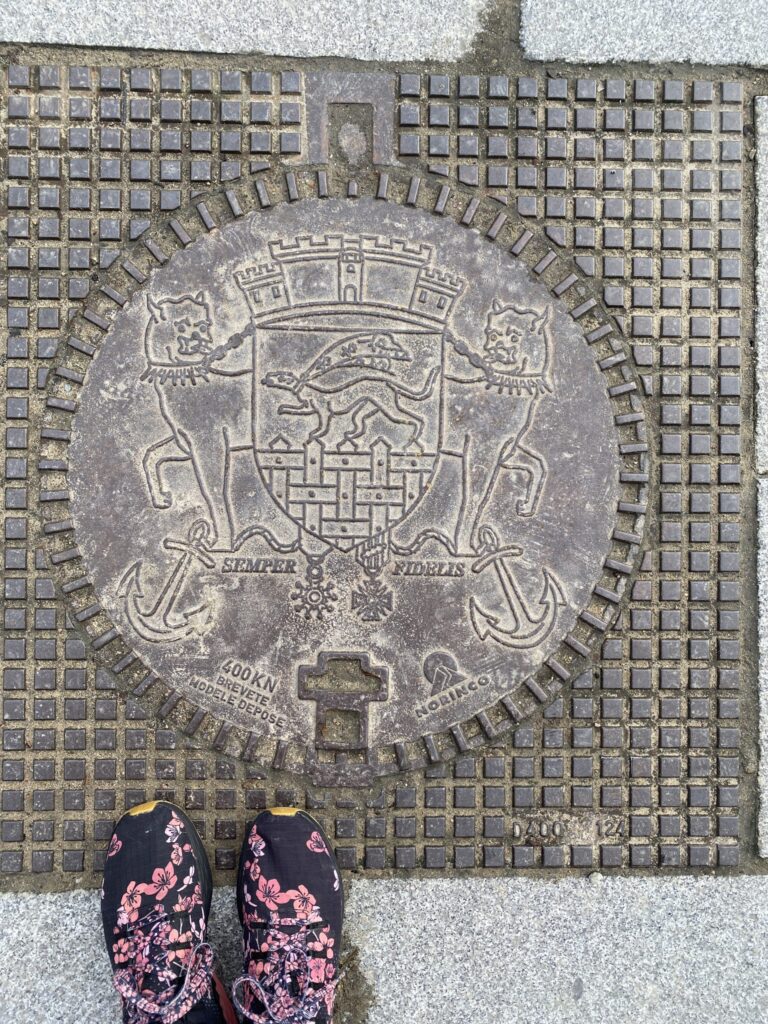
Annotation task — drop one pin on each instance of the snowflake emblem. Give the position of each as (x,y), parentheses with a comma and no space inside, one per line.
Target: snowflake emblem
(314,599)
(372,601)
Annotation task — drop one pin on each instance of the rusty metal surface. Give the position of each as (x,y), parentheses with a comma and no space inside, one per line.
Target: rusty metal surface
(340,472)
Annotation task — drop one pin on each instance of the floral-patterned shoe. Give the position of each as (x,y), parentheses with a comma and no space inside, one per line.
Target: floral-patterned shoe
(154,907)
(291,906)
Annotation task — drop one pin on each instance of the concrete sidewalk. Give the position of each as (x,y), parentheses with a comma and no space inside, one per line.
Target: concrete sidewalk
(715,32)
(492,951)
(395,30)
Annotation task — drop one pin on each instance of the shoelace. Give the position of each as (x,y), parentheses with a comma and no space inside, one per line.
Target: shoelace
(197,979)
(278,986)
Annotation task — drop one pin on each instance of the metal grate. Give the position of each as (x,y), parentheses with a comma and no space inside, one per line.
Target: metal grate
(638,764)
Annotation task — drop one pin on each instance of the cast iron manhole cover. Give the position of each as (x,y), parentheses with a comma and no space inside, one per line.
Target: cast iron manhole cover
(598,231)
(368,423)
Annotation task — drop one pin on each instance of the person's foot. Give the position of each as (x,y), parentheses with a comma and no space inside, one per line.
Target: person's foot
(154,907)
(291,906)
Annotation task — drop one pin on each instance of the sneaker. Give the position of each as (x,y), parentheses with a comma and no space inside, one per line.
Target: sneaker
(291,906)
(154,907)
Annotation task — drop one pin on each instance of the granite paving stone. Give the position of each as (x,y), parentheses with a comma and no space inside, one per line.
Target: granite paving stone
(397,30)
(578,951)
(602,31)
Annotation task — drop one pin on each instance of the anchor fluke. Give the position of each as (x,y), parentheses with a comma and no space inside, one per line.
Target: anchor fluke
(163,621)
(482,621)
(523,626)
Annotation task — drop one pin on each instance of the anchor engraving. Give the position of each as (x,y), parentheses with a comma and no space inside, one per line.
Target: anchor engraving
(523,628)
(162,622)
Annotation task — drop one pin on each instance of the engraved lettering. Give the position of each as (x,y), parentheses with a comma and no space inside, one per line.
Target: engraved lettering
(259,565)
(454,569)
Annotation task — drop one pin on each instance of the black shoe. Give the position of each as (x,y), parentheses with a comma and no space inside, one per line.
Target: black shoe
(291,906)
(154,907)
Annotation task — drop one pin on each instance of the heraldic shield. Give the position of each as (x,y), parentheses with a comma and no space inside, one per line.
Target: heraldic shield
(348,374)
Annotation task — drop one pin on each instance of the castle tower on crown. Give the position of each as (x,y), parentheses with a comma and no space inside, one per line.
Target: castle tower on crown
(360,281)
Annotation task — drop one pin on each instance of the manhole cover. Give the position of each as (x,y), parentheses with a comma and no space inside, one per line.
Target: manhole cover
(355,432)
(601,227)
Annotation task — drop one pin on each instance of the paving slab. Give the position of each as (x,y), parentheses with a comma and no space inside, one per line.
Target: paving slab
(762,572)
(360,29)
(586,950)
(717,32)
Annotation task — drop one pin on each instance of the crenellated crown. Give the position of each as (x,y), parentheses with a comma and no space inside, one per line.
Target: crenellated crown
(348,275)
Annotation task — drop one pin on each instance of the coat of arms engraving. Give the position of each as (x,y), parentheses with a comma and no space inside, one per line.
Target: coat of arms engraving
(345,433)
(354,389)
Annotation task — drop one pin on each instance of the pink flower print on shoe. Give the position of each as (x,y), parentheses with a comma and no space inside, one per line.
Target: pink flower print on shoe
(269,893)
(163,880)
(291,907)
(154,905)
(316,843)
(303,901)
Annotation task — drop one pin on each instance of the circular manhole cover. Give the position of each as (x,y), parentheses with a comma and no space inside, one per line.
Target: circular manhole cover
(345,472)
